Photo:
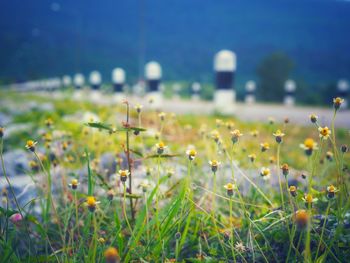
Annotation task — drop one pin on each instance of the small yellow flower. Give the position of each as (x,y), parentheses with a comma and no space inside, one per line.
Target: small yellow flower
(101,240)
(265,173)
(331,190)
(64,146)
(309,145)
(252,157)
(31,145)
(285,169)
(293,190)
(48,122)
(230,125)
(313,118)
(215,135)
(254,133)
(191,153)
(145,185)
(162,116)
(230,187)
(91,203)
(235,134)
(337,102)
(324,132)
(264,146)
(308,199)
(111,255)
(74,184)
(329,156)
(160,147)
(271,120)
(278,135)
(138,108)
(124,175)
(301,217)
(214,164)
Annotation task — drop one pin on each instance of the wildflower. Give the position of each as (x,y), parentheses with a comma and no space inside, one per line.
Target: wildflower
(91,203)
(138,108)
(124,175)
(329,156)
(324,132)
(252,157)
(214,164)
(271,120)
(344,148)
(160,147)
(150,100)
(230,125)
(293,190)
(308,199)
(278,135)
(215,135)
(157,135)
(112,255)
(272,159)
(74,184)
(2,130)
(191,153)
(101,240)
(148,171)
(145,185)
(48,122)
(331,190)
(286,120)
(161,116)
(170,172)
(254,133)
(229,187)
(16,218)
(301,217)
(265,173)
(235,134)
(285,169)
(64,146)
(240,247)
(337,102)
(313,118)
(31,145)
(218,123)
(264,146)
(110,194)
(34,166)
(309,145)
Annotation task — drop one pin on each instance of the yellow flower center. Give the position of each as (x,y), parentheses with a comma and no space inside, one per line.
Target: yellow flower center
(91,201)
(74,182)
(123,173)
(214,163)
(309,143)
(292,188)
(161,145)
(30,143)
(111,253)
(308,198)
(192,152)
(229,186)
(331,189)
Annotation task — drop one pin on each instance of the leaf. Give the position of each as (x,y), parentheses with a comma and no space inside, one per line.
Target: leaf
(136,152)
(8,212)
(100,125)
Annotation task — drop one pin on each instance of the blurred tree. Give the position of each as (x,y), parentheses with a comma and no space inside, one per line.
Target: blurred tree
(273,71)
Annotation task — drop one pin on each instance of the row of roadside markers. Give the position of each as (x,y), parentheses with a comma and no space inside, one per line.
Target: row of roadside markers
(225,64)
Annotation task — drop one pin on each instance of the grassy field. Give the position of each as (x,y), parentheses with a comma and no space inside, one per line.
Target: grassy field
(173,188)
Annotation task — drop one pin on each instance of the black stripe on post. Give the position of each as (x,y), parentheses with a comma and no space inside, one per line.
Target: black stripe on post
(153,85)
(224,80)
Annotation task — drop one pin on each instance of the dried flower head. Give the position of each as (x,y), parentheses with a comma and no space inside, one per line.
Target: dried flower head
(301,217)
(313,118)
(285,169)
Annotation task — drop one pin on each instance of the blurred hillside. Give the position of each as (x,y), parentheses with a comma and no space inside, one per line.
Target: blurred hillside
(49,38)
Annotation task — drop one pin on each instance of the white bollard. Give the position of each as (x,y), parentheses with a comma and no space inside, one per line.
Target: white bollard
(195,90)
(250,88)
(153,75)
(95,80)
(225,64)
(289,88)
(118,80)
(66,81)
(79,80)
(176,90)
(343,92)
